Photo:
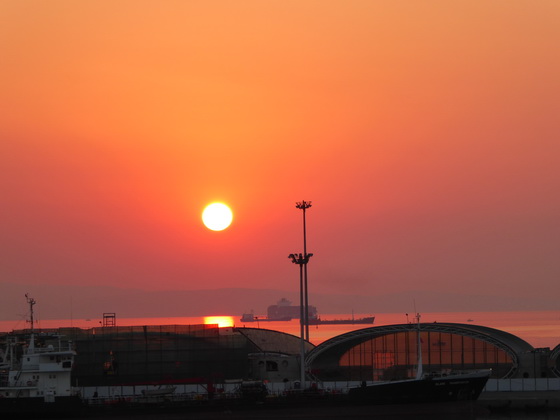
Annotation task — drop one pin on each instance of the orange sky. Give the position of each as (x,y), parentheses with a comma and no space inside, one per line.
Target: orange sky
(426,134)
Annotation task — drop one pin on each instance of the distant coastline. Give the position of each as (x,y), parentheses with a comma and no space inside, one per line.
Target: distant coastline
(75,301)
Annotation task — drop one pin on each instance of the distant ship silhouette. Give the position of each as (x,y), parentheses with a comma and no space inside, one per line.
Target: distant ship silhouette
(285,311)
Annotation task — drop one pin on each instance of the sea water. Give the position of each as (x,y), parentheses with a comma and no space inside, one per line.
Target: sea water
(538,328)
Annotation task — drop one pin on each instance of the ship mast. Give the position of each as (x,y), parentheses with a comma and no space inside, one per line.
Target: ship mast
(31,302)
(419,369)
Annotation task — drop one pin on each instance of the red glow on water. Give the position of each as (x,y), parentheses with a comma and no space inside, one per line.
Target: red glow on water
(222,321)
(539,328)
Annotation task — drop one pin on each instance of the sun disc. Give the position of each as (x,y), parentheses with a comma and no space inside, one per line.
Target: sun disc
(217,216)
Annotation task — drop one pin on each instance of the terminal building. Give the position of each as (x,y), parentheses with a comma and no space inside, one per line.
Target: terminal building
(390,352)
(111,355)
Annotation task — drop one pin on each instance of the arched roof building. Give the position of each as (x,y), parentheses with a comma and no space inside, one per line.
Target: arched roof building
(390,352)
(272,341)
(554,358)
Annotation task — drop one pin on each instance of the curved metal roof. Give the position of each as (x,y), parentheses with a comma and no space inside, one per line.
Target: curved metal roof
(336,346)
(554,354)
(274,341)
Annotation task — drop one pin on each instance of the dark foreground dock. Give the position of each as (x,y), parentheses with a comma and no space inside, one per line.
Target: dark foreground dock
(526,405)
(288,408)
(521,400)
(415,411)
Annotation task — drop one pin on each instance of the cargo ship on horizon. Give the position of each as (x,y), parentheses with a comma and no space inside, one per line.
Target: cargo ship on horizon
(285,311)
(365,320)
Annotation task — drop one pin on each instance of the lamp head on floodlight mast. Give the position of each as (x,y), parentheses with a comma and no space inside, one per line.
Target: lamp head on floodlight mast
(300,259)
(302,205)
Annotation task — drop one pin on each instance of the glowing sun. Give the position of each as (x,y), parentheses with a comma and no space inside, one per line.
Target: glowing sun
(217,216)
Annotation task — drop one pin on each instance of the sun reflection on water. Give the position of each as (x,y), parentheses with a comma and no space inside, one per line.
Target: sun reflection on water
(222,321)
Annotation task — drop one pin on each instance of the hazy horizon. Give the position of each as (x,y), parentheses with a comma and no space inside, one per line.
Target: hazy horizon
(66,302)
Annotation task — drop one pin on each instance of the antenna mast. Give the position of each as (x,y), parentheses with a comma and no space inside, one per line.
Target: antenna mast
(31,302)
(419,369)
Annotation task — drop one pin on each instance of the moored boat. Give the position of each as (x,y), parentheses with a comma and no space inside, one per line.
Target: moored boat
(424,388)
(39,382)
(428,389)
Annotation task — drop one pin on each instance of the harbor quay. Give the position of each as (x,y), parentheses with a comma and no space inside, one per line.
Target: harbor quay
(109,402)
(128,355)
(207,365)
(529,394)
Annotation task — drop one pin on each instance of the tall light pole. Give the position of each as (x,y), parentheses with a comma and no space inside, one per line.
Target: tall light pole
(304,205)
(301,260)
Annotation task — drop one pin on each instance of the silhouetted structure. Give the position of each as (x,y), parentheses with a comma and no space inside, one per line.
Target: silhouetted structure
(109,319)
(304,205)
(206,353)
(285,310)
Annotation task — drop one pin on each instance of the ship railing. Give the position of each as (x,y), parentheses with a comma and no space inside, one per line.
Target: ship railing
(51,349)
(193,393)
(191,398)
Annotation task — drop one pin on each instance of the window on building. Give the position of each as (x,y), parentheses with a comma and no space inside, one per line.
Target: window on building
(271,366)
(394,356)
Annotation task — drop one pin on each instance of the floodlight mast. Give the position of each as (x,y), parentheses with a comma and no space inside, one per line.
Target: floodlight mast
(304,205)
(301,260)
